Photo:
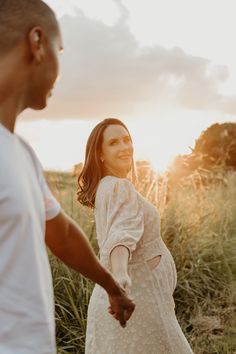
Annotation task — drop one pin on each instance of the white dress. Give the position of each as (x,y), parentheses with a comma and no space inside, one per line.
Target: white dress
(124,217)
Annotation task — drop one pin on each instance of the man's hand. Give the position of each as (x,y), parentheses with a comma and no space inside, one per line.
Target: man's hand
(121,307)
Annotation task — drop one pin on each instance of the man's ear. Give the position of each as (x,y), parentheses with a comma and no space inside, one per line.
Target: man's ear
(37,43)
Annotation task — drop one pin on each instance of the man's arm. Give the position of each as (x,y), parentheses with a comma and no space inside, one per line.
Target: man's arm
(68,242)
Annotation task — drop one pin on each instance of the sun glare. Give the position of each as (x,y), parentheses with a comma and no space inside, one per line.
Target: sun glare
(61,144)
(160,139)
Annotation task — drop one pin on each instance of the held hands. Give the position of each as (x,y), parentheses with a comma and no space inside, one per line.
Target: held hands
(122,306)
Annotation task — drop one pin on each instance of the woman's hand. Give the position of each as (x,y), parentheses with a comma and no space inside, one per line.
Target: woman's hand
(119,267)
(124,280)
(125,283)
(121,306)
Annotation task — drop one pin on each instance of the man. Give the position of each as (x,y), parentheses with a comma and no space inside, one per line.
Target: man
(29,215)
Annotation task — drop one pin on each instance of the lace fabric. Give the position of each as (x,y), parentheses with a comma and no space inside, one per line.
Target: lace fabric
(123,216)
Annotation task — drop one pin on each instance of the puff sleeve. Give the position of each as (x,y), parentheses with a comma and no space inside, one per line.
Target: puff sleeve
(123,219)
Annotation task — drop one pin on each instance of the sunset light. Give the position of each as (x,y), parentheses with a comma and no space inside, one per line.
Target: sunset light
(131,248)
(61,144)
(123,59)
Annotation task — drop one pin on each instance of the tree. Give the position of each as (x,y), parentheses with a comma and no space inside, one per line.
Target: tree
(217,146)
(214,151)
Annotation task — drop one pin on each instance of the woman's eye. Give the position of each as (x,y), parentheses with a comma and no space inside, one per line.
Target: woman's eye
(127,140)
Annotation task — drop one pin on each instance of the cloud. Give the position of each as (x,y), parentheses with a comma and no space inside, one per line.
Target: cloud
(105,72)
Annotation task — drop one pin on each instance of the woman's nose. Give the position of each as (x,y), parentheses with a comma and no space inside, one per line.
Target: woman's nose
(125,146)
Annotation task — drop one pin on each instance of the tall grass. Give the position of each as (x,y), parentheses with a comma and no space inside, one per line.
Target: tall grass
(199,227)
(71,291)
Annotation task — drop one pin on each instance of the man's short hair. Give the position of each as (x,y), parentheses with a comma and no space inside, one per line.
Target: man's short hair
(18,17)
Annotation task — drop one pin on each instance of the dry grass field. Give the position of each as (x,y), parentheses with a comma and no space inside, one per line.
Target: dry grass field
(199,227)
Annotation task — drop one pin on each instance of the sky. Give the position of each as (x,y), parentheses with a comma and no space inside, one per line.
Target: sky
(165,67)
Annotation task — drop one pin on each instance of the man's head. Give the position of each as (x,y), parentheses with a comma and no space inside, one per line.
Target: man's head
(18,17)
(30,40)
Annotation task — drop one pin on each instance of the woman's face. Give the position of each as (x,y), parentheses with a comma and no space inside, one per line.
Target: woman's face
(117,151)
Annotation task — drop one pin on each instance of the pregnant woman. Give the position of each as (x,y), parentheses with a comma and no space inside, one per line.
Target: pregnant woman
(131,247)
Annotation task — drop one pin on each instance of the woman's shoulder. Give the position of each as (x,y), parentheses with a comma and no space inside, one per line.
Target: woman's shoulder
(111,182)
(115,190)
(111,185)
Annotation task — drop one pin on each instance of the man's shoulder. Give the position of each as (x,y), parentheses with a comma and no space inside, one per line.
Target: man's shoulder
(25,144)
(28,148)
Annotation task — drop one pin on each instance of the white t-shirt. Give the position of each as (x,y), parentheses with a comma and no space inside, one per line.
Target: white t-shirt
(27,323)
